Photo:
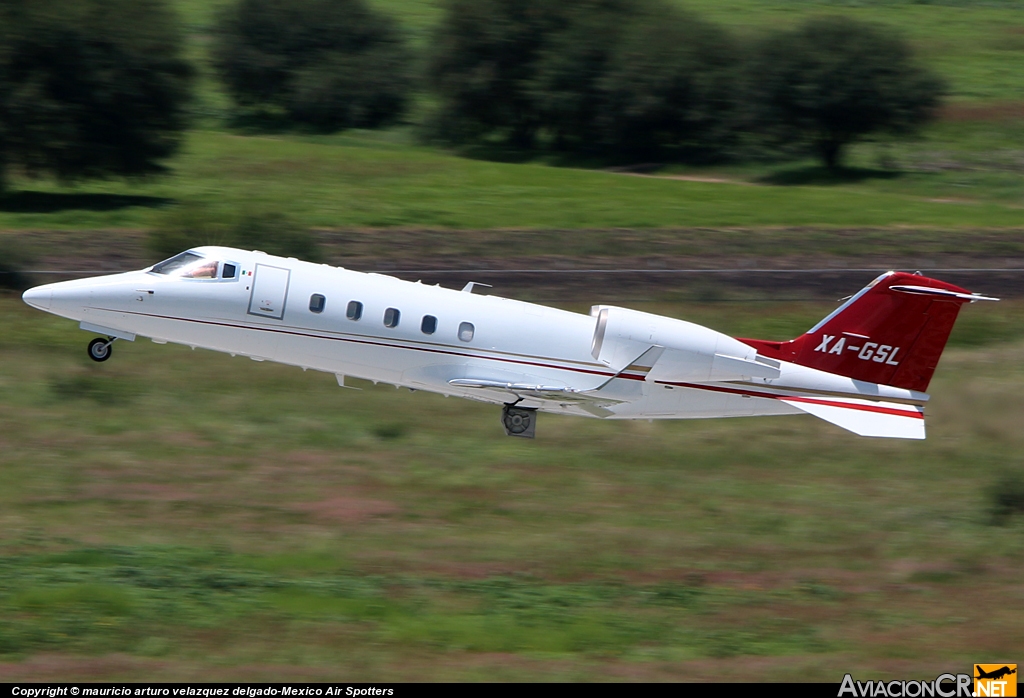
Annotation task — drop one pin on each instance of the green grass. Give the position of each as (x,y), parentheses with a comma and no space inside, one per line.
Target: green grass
(977,47)
(379,180)
(964,173)
(954,162)
(179,515)
(184,515)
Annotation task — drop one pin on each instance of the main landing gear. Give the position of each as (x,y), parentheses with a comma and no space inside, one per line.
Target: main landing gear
(100,349)
(519,421)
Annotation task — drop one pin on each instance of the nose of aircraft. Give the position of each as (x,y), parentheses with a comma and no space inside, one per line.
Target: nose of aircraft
(66,298)
(39,297)
(72,299)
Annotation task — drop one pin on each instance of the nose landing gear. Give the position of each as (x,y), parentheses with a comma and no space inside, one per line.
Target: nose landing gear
(100,349)
(519,421)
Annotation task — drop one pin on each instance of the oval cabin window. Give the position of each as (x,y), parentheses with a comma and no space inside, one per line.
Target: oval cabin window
(429,324)
(466,331)
(354,311)
(317,303)
(391,317)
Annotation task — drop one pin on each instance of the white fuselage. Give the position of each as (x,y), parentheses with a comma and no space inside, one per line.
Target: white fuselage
(575,363)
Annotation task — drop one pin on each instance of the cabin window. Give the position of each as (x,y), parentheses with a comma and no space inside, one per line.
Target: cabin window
(391,317)
(429,324)
(466,331)
(229,271)
(354,311)
(317,303)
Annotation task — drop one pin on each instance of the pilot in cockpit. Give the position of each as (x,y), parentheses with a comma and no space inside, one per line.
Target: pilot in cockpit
(188,265)
(207,270)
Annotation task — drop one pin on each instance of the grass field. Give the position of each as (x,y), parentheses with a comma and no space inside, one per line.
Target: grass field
(183,515)
(179,514)
(977,47)
(381,180)
(966,171)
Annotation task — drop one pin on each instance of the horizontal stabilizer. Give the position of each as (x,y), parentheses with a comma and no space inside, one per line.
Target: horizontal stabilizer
(866,417)
(942,293)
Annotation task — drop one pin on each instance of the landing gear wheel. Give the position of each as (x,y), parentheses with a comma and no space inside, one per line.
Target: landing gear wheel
(519,421)
(100,349)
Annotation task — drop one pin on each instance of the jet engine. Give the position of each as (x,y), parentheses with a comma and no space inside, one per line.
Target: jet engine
(691,352)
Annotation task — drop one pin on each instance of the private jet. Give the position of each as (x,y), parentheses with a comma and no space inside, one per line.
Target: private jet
(865,367)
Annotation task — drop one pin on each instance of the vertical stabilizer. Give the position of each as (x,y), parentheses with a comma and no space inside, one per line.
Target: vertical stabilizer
(892,332)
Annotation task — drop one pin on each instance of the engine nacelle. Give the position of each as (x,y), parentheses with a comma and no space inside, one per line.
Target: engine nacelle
(692,352)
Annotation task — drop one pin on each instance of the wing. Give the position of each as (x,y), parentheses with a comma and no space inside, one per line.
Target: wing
(590,401)
(589,398)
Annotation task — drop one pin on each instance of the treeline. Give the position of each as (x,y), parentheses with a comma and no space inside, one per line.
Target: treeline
(625,80)
(101,87)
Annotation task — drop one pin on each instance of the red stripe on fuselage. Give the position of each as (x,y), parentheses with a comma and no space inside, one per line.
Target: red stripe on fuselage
(522,362)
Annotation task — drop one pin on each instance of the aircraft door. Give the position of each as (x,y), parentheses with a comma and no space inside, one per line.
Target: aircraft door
(269,291)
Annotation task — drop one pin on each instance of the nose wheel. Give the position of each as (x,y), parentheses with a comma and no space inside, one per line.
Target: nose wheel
(100,349)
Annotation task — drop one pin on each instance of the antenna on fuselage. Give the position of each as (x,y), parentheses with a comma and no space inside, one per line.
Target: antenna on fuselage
(468,288)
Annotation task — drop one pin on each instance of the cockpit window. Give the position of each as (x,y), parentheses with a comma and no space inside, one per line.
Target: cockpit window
(169,266)
(207,269)
(188,265)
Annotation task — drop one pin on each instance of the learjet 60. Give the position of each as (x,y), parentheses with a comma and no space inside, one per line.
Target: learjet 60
(865,367)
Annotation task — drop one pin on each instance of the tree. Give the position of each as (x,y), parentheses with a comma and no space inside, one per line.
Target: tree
(612,78)
(90,88)
(192,225)
(325,64)
(482,66)
(640,79)
(834,80)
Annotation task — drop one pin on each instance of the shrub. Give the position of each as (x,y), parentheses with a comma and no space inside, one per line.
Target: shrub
(483,65)
(90,88)
(275,233)
(834,80)
(1006,497)
(183,227)
(641,80)
(613,78)
(325,64)
(193,226)
(14,258)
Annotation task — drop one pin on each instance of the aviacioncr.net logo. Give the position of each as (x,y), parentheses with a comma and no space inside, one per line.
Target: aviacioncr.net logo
(995,680)
(943,686)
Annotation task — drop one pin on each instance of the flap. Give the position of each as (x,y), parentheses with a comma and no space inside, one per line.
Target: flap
(541,392)
(511,387)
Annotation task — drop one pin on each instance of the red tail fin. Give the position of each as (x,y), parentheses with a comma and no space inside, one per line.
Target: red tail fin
(892,332)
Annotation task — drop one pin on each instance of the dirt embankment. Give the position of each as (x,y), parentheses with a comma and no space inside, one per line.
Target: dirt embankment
(589,265)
